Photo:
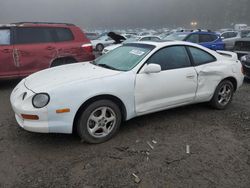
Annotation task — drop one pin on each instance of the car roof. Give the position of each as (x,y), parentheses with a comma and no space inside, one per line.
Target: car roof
(165,43)
(198,32)
(37,24)
(147,36)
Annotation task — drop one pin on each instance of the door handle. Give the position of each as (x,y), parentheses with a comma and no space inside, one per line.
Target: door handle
(190,76)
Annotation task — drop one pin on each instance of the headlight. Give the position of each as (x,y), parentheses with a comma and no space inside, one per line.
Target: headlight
(40,100)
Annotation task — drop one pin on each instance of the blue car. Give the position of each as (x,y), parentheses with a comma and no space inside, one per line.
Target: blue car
(210,40)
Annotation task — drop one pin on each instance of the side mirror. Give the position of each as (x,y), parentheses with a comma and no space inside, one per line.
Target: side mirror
(152,68)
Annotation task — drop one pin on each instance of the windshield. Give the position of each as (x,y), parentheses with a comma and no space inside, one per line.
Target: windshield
(176,36)
(245,34)
(125,57)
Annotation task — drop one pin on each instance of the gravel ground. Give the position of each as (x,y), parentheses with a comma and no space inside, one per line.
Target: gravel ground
(219,155)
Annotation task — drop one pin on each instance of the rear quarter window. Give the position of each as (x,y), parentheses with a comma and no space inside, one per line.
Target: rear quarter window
(63,35)
(201,57)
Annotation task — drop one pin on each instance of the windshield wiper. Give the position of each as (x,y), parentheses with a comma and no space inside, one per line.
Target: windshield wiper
(106,66)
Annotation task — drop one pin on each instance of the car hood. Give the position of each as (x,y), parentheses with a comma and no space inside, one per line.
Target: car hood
(63,75)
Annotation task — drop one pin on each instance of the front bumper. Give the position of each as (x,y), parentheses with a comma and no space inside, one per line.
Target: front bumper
(22,105)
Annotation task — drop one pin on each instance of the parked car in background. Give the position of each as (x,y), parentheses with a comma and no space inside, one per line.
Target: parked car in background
(133,80)
(245,60)
(210,40)
(108,39)
(240,26)
(26,48)
(100,43)
(138,38)
(242,46)
(91,36)
(230,37)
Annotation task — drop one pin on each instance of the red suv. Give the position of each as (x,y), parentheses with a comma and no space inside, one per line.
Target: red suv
(28,47)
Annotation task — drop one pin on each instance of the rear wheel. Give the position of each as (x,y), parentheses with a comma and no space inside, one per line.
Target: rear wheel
(223,95)
(99,122)
(99,47)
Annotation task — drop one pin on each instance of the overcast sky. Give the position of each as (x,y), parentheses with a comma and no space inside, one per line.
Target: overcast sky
(128,13)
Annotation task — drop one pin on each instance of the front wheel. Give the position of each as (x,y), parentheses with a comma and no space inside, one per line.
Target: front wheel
(223,95)
(99,47)
(99,122)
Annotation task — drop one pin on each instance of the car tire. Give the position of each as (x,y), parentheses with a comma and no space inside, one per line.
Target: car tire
(99,47)
(223,95)
(99,121)
(62,61)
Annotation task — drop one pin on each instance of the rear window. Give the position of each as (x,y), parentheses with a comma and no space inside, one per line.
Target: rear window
(25,35)
(63,35)
(4,36)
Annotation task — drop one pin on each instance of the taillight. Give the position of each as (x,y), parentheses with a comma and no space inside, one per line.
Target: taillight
(242,70)
(88,48)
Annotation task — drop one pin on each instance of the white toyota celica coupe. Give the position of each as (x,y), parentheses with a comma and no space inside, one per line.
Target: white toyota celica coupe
(93,98)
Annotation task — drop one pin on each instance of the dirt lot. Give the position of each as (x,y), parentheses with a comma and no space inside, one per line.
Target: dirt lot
(219,150)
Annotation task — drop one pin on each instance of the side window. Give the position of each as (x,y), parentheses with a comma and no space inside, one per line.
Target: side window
(207,38)
(155,39)
(25,35)
(225,35)
(213,37)
(232,34)
(63,35)
(194,38)
(171,58)
(145,39)
(201,57)
(4,36)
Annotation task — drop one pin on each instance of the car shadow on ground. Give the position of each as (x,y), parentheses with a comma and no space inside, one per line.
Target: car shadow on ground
(147,122)
(9,84)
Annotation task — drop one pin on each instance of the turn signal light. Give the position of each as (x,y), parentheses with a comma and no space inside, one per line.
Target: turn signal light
(60,111)
(28,116)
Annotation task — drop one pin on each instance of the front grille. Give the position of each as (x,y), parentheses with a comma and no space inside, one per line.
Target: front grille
(242,46)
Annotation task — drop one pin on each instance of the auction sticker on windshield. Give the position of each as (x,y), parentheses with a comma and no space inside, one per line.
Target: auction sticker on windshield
(137,52)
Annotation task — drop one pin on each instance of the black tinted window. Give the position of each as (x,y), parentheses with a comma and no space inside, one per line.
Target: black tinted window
(26,35)
(64,34)
(171,58)
(207,38)
(194,38)
(232,34)
(155,39)
(201,57)
(225,35)
(145,39)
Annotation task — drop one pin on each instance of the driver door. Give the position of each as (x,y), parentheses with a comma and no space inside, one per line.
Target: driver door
(175,85)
